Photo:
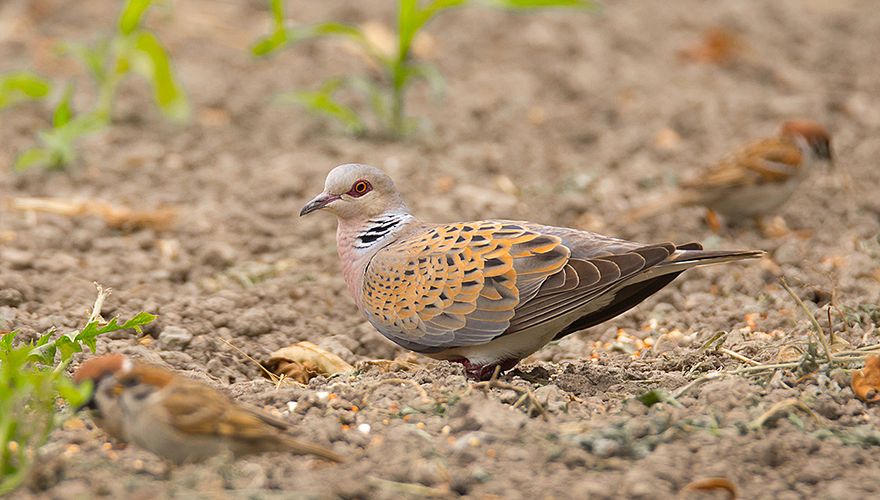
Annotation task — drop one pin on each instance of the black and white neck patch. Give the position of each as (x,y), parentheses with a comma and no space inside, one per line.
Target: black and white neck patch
(378,228)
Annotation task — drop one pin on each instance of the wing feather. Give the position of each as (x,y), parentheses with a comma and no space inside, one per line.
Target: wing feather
(459,284)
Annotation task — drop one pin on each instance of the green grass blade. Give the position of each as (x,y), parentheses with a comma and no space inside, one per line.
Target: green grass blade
(21,86)
(132,15)
(268,44)
(151,60)
(539,4)
(31,158)
(323,102)
(63,111)
(277,7)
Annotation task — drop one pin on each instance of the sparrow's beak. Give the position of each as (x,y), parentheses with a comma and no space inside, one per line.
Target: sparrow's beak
(319,202)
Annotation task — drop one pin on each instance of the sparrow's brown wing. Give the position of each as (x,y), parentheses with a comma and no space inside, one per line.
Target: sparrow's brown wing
(768,161)
(195,409)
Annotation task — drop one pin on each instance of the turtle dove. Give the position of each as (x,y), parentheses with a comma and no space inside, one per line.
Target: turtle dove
(485,293)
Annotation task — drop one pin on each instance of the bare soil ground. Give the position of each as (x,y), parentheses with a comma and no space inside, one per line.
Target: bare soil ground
(558,117)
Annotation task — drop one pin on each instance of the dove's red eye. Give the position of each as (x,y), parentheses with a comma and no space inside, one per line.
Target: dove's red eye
(359,188)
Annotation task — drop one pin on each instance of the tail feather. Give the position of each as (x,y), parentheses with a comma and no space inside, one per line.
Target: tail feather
(636,289)
(689,256)
(298,447)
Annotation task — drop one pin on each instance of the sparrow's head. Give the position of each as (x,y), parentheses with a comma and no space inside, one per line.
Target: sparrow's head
(356,191)
(96,370)
(813,135)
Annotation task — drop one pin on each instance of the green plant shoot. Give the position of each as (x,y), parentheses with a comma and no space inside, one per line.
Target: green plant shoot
(385,95)
(132,49)
(32,380)
(22,86)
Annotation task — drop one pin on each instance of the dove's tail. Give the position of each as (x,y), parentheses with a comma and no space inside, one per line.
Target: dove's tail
(653,207)
(633,291)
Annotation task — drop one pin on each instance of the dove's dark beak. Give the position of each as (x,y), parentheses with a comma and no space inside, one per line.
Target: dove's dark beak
(319,202)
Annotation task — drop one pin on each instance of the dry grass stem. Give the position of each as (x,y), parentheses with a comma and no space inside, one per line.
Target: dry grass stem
(816,326)
(117,217)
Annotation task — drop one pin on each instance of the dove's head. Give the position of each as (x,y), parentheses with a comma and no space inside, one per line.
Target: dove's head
(356,191)
(810,135)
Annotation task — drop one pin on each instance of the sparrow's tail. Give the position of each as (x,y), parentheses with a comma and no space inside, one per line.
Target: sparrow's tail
(303,448)
(653,207)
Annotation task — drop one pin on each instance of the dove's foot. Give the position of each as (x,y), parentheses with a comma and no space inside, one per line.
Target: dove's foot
(485,372)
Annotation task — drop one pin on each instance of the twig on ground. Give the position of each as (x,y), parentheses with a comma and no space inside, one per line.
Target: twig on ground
(783,405)
(99,303)
(816,326)
(525,394)
(693,383)
(736,355)
(272,376)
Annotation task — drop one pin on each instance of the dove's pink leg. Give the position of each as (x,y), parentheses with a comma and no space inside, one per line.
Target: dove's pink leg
(484,372)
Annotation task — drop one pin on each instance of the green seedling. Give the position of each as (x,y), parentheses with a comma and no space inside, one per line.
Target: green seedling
(22,86)
(57,144)
(132,49)
(33,381)
(385,94)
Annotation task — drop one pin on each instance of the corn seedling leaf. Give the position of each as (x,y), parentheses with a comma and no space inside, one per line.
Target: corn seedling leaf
(57,148)
(269,44)
(31,158)
(375,96)
(323,102)
(132,15)
(93,57)
(431,75)
(295,34)
(63,111)
(22,86)
(277,7)
(151,60)
(538,4)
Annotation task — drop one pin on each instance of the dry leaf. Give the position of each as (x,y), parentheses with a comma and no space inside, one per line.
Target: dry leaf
(718,46)
(304,361)
(709,484)
(116,217)
(866,382)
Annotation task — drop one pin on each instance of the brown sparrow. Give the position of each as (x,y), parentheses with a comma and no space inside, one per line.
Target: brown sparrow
(178,418)
(757,179)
